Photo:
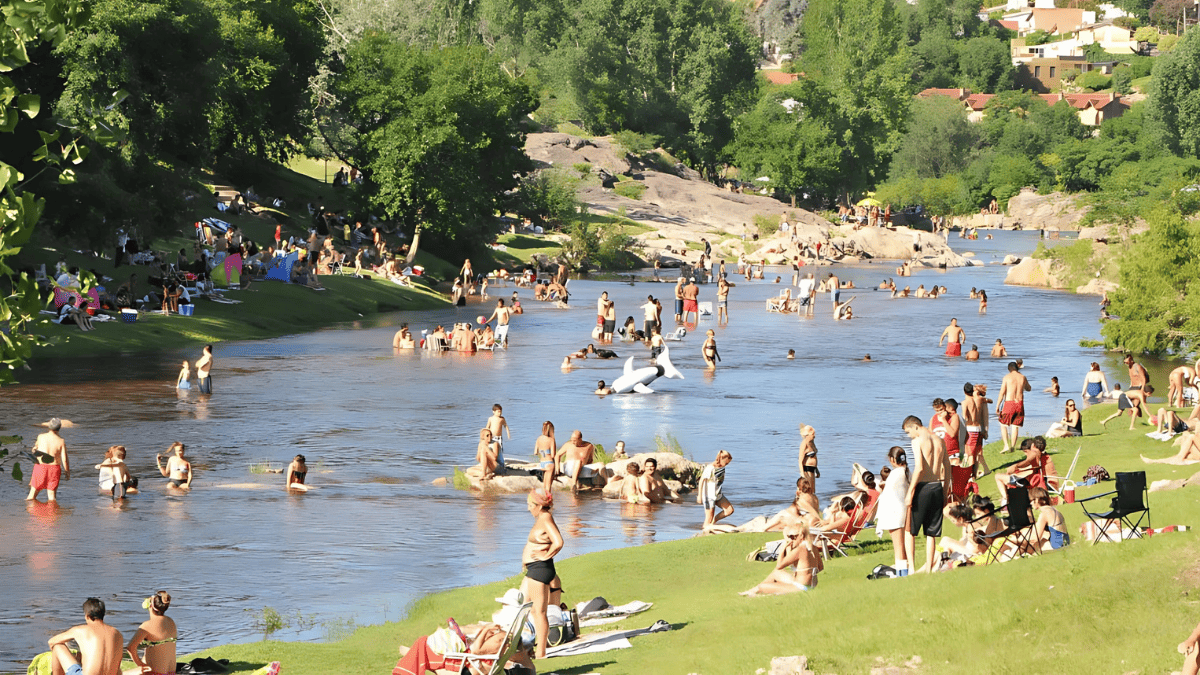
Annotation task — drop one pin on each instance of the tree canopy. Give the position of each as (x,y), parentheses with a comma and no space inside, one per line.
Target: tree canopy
(1175,105)
(437,132)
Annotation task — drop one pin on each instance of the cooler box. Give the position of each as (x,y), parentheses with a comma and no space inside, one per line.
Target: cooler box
(187,310)
(129,315)
(418,270)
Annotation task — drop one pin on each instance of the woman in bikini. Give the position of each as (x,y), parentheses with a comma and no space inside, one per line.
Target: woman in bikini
(982,301)
(178,470)
(158,634)
(297,471)
(541,586)
(487,453)
(808,452)
(1070,425)
(1050,528)
(797,567)
(544,448)
(709,350)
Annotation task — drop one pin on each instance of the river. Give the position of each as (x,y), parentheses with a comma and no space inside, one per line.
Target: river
(378,428)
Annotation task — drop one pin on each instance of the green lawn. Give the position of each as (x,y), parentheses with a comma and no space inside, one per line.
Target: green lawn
(1085,609)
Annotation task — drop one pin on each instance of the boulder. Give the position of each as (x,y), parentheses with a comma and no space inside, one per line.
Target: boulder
(1032,272)
(1031,211)
(789,665)
(1096,287)
(670,465)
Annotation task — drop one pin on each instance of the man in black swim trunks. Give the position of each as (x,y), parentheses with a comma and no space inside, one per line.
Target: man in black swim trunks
(927,491)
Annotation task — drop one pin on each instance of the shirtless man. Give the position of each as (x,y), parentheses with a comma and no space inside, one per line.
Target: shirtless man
(403,339)
(972,354)
(178,470)
(956,338)
(602,389)
(498,425)
(973,410)
(601,305)
(998,350)
(834,285)
(502,315)
(679,299)
(723,287)
(653,487)
(204,370)
(51,463)
(690,294)
(1010,408)
(573,456)
(100,645)
(1137,374)
(927,491)
(650,314)
(1181,378)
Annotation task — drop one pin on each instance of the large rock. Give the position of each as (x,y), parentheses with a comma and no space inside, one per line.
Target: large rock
(1096,287)
(1032,272)
(788,665)
(979,221)
(1031,211)
(565,151)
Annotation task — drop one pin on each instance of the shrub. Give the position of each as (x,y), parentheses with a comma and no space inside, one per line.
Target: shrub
(630,188)
(1037,37)
(1147,34)
(635,143)
(766,225)
(1093,80)
(1167,42)
(1122,80)
(583,168)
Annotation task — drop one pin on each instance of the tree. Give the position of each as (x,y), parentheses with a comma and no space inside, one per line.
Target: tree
(1159,296)
(856,50)
(1175,106)
(786,139)
(986,65)
(437,133)
(939,140)
(1168,14)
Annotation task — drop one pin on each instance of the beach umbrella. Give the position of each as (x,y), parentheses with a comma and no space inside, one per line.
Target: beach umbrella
(869,201)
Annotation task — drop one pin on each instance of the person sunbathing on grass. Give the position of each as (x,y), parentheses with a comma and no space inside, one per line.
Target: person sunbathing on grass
(957,552)
(1167,422)
(797,567)
(1050,530)
(1189,452)
(489,640)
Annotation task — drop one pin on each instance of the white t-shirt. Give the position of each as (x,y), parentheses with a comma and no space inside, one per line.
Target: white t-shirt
(806,287)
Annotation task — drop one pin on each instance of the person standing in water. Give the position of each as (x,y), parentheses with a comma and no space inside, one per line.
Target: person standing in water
(723,286)
(296,473)
(541,585)
(956,337)
(1010,409)
(185,377)
(50,462)
(498,425)
(709,490)
(544,448)
(679,299)
(178,470)
(502,315)
(204,370)
(691,293)
(709,350)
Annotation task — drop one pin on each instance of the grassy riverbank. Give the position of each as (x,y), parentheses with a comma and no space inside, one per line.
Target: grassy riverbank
(1106,608)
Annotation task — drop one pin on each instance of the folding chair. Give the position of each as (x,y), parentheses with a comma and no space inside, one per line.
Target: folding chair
(962,482)
(1131,499)
(1020,526)
(1063,479)
(836,540)
(512,641)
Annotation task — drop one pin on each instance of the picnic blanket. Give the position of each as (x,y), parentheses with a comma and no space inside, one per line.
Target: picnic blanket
(419,659)
(611,614)
(1090,531)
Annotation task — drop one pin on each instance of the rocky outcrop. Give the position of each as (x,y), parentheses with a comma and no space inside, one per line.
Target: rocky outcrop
(980,221)
(1055,211)
(1033,272)
(677,472)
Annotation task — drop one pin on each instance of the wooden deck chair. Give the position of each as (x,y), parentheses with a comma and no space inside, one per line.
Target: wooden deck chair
(493,664)
(1019,529)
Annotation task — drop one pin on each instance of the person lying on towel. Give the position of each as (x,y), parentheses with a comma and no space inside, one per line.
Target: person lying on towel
(423,654)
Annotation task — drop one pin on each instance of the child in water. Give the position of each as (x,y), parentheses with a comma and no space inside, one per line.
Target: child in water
(185,375)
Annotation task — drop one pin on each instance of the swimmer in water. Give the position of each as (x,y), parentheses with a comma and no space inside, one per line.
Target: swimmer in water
(972,354)
(998,350)
(1053,388)
(566,364)
(791,354)
(403,339)
(867,357)
(602,390)
(297,471)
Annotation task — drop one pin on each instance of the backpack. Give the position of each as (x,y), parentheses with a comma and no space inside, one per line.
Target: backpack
(883,572)
(1097,472)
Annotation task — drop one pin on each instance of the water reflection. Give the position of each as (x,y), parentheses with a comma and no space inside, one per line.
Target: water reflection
(378,427)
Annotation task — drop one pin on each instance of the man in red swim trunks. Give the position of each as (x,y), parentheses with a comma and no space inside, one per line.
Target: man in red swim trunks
(690,293)
(974,408)
(956,336)
(1010,406)
(50,462)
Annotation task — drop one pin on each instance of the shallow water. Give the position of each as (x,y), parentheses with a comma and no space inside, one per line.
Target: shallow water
(377,428)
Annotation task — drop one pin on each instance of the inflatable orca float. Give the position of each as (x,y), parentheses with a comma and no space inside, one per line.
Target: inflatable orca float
(636,379)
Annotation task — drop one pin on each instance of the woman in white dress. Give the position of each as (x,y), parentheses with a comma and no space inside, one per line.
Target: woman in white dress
(892,514)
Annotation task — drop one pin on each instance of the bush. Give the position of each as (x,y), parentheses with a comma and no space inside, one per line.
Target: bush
(1167,42)
(766,225)
(583,168)
(1093,80)
(635,143)
(630,188)
(1037,37)
(1122,80)
(1147,34)
(548,199)
(1130,22)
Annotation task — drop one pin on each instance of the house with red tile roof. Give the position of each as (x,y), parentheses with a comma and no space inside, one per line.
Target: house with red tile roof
(1092,109)
(780,77)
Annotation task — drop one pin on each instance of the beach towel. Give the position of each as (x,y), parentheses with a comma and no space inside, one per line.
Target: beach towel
(419,659)
(611,614)
(1090,530)
(603,642)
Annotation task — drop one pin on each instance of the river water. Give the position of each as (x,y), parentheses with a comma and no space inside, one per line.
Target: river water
(378,428)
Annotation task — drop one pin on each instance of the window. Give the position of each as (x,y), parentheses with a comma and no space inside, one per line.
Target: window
(1052,72)
(1037,71)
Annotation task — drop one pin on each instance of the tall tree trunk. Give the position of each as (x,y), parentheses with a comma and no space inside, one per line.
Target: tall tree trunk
(412,250)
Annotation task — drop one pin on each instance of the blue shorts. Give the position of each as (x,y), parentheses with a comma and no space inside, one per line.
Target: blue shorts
(75,669)
(678,306)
